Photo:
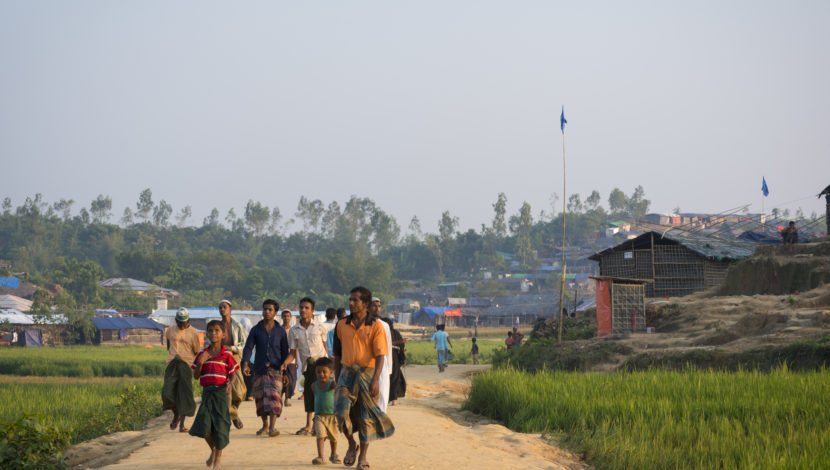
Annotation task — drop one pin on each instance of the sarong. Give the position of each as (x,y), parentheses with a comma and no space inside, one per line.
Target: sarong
(213,418)
(177,391)
(309,377)
(397,381)
(291,374)
(354,406)
(267,391)
(239,390)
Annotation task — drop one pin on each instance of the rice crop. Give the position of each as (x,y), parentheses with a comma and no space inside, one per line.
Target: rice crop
(84,408)
(423,352)
(661,419)
(84,361)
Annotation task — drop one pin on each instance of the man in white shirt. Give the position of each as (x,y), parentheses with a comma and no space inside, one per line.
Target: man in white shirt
(383,380)
(307,343)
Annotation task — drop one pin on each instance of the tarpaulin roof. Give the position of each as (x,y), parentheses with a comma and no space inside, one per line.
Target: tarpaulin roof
(12,282)
(119,323)
(453,313)
(431,312)
(704,245)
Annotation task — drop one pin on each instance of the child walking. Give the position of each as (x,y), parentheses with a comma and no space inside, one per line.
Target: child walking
(474,352)
(325,423)
(214,367)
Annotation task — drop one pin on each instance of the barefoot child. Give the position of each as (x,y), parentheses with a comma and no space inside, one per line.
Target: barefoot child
(215,368)
(325,423)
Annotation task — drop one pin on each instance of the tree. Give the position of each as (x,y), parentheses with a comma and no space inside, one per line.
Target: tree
(276,216)
(522,225)
(212,220)
(185,214)
(127,217)
(100,209)
(7,206)
(617,202)
(447,226)
(574,204)
(144,206)
(230,218)
(84,216)
(637,204)
(256,217)
(64,207)
(461,291)
(500,209)
(310,213)
(330,218)
(415,232)
(799,214)
(592,201)
(161,214)
(41,306)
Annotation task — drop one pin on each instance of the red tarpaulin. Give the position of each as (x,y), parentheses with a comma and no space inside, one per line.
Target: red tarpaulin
(603,307)
(453,313)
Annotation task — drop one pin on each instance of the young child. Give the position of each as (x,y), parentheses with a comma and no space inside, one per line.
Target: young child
(474,352)
(325,423)
(214,367)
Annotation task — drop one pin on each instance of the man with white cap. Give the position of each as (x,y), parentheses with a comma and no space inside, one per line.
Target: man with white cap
(235,342)
(177,392)
(383,380)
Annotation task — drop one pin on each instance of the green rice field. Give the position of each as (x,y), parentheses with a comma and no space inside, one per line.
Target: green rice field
(84,408)
(423,352)
(688,419)
(84,361)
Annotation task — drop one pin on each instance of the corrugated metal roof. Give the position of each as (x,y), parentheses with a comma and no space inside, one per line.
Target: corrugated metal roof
(118,323)
(704,245)
(15,302)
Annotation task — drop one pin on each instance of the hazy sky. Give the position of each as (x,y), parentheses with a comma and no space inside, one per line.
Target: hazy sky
(422,106)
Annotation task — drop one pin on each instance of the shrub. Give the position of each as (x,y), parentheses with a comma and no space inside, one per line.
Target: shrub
(30,443)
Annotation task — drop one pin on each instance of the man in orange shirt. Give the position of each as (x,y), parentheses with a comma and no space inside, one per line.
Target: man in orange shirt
(359,351)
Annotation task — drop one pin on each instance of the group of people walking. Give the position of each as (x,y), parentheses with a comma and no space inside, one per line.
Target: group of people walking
(350,365)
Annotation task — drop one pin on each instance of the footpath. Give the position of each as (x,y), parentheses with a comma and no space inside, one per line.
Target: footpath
(430,433)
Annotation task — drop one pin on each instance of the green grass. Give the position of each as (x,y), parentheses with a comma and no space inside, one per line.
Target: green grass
(423,352)
(669,419)
(84,408)
(83,361)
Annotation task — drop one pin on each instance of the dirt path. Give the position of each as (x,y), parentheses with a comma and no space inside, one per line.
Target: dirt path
(430,432)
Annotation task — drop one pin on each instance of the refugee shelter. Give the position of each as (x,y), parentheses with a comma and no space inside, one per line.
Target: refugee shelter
(429,316)
(676,263)
(128,330)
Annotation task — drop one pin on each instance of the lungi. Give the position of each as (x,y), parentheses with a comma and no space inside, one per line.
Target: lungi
(177,391)
(267,391)
(213,418)
(354,406)
(239,390)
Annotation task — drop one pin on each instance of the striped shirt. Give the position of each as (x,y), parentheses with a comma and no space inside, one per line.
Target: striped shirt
(217,370)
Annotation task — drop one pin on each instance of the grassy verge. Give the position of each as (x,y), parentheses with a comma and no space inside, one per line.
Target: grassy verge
(547,354)
(669,419)
(84,361)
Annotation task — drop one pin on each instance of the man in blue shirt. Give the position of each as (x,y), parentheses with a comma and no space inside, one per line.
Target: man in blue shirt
(442,346)
(271,344)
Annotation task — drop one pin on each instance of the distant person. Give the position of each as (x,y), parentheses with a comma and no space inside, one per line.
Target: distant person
(290,373)
(234,340)
(269,341)
(474,352)
(517,337)
(215,368)
(790,235)
(328,326)
(340,314)
(442,346)
(509,341)
(307,344)
(325,422)
(177,391)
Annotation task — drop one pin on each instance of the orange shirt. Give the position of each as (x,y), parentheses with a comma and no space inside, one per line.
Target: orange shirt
(184,342)
(362,345)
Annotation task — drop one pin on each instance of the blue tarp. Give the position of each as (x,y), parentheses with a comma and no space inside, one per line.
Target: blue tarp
(118,323)
(758,237)
(431,312)
(33,338)
(11,282)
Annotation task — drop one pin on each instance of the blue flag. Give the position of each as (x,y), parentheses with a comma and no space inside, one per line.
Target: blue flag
(562,120)
(764,188)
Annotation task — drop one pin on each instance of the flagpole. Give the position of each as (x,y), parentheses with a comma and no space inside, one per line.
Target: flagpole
(562,279)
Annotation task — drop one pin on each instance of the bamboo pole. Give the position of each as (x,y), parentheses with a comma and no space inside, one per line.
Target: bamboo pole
(564,208)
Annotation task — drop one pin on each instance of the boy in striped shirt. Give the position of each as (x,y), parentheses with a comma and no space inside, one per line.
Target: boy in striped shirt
(214,367)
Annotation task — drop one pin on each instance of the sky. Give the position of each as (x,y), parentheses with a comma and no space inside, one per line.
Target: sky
(421,106)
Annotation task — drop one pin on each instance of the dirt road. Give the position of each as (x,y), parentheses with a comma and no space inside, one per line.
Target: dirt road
(430,433)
